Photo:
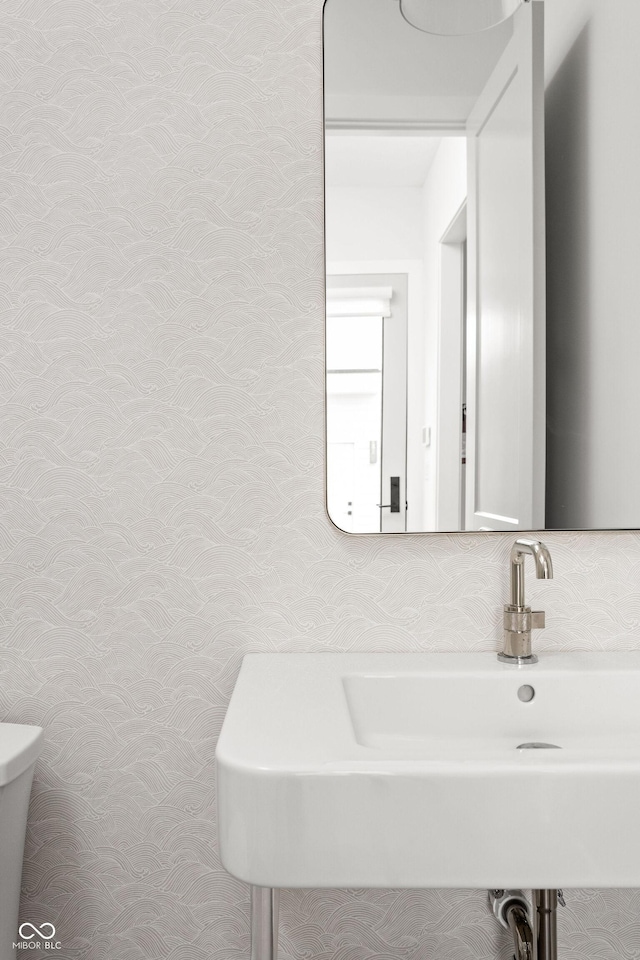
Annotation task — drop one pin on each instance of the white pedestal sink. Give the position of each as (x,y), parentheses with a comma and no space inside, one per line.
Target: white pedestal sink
(404,770)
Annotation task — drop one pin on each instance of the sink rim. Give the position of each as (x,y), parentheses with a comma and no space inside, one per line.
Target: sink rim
(328,738)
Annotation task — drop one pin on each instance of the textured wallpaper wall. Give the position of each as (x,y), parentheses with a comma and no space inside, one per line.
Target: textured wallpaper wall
(161,496)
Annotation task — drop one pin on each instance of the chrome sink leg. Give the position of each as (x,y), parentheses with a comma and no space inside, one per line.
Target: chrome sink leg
(264,923)
(546,902)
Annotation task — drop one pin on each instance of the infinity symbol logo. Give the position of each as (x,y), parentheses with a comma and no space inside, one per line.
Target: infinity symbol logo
(40,932)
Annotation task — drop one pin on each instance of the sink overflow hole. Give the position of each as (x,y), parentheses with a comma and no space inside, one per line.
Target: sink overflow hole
(526,693)
(538,746)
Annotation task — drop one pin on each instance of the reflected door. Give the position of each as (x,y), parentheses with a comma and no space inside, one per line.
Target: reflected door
(506,289)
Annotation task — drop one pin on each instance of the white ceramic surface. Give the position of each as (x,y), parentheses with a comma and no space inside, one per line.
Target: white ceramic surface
(20,746)
(403,770)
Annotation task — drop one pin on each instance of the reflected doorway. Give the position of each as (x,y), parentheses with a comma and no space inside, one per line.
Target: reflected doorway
(367,402)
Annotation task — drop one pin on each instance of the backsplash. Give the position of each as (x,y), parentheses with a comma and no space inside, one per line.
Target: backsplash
(161,505)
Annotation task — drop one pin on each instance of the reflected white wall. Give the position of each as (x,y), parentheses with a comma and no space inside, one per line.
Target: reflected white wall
(373,223)
(444,193)
(593,211)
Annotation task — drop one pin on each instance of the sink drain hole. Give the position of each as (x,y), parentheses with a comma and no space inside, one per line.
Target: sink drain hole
(526,693)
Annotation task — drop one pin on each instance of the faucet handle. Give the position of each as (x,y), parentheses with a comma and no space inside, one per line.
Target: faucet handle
(522,619)
(518,622)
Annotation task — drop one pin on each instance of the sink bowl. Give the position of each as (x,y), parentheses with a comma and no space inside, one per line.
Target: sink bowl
(432,770)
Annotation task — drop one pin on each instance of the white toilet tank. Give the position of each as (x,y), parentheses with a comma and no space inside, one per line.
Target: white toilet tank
(20,746)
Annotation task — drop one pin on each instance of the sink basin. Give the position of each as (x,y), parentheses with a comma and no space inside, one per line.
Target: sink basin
(432,770)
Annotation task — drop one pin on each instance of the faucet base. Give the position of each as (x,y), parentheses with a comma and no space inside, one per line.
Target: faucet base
(518,661)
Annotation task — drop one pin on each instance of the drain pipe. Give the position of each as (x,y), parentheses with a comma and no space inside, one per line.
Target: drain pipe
(511,909)
(546,902)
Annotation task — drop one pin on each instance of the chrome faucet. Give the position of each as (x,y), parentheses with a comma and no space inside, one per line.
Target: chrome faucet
(520,620)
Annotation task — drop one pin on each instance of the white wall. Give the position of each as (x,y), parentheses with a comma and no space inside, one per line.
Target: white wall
(593,213)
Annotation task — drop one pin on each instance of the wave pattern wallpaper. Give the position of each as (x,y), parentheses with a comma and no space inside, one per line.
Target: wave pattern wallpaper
(161,480)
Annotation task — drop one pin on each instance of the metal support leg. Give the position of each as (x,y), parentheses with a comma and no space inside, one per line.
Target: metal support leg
(546,924)
(264,923)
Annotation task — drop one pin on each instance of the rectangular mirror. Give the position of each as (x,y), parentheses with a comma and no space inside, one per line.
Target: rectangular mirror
(436,375)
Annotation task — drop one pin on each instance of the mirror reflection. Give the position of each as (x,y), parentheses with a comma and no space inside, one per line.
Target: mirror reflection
(435,377)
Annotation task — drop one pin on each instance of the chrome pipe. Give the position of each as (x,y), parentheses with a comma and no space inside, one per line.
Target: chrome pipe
(546,902)
(521,931)
(511,908)
(264,923)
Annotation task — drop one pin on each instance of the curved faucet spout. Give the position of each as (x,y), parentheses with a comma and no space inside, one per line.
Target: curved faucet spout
(542,560)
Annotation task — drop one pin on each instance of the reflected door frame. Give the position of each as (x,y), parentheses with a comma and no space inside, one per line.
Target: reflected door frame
(413,269)
(450,461)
